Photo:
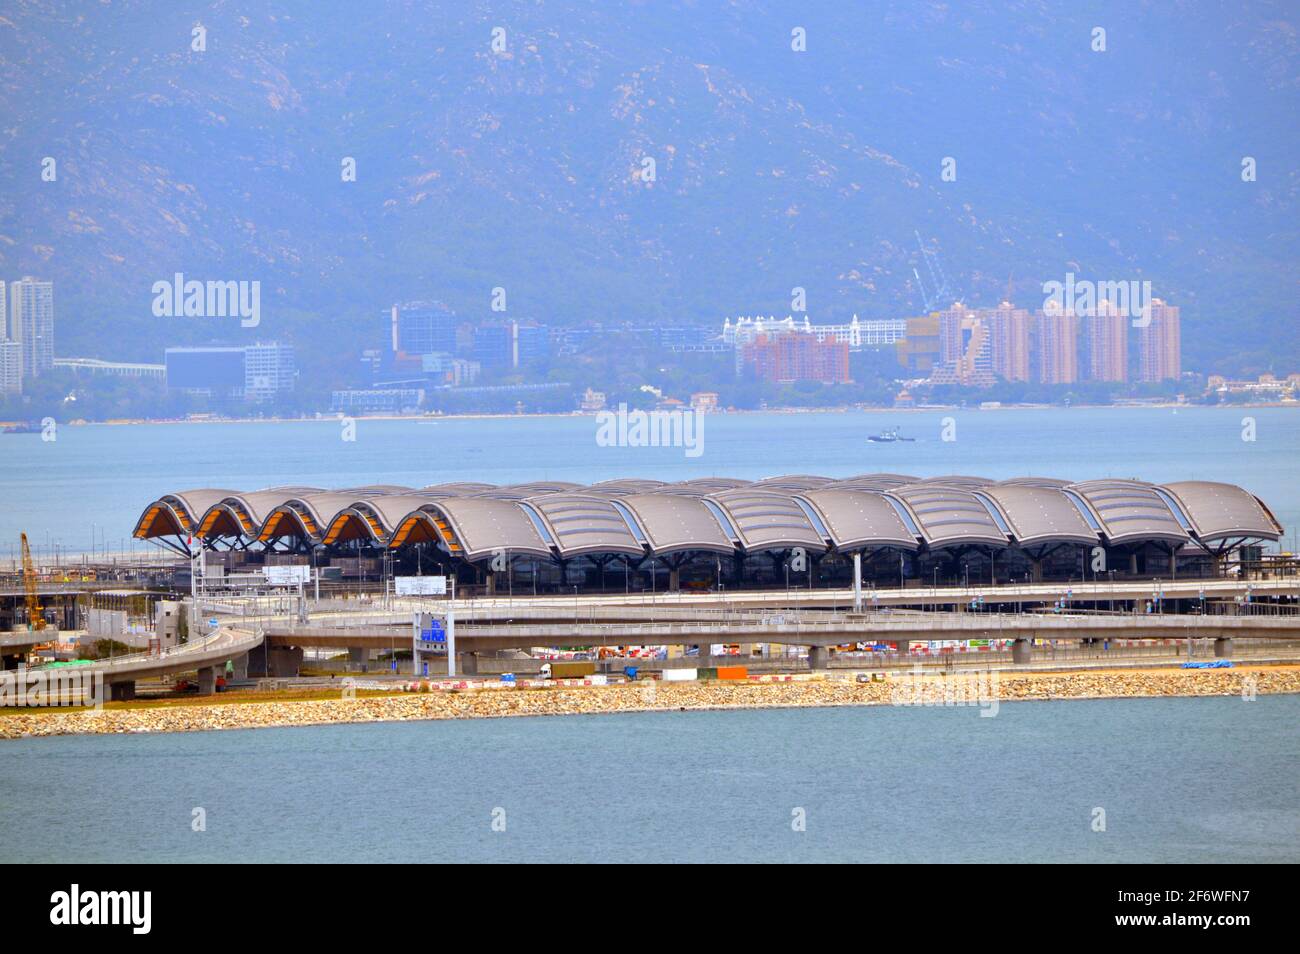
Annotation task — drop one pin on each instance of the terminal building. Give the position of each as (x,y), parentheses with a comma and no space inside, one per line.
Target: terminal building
(723,533)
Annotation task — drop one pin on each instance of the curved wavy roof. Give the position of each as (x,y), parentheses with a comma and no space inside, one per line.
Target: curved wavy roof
(1130,510)
(949,516)
(1219,511)
(638,518)
(678,522)
(1037,514)
(860,518)
(768,519)
(586,523)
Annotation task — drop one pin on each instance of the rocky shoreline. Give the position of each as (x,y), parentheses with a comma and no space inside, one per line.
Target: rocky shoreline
(983,689)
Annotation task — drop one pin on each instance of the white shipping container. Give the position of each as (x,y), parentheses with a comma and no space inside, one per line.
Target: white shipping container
(680,675)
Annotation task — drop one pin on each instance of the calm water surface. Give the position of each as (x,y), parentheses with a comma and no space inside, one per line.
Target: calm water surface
(1180,780)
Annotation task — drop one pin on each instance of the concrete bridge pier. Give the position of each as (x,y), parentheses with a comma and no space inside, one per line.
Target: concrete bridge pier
(467,664)
(1021,651)
(819,657)
(359,658)
(241,667)
(207,680)
(121,691)
(1223,647)
(674,580)
(904,646)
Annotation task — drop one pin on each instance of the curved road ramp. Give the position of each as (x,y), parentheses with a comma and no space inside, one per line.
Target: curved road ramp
(92,683)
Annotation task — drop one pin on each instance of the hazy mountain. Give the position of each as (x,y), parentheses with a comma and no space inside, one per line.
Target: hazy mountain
(521,169)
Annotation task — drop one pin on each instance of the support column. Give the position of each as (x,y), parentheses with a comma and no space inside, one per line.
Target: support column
(241,667)
(674,579)
(1223,648)
(207,680)
(1021,651)
(1036,570)
(121,691)
(359,658)
(819,657)
(467,663)
(490,584)
(904,646)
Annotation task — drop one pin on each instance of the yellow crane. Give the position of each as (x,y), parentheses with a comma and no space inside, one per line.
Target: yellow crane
(35,616)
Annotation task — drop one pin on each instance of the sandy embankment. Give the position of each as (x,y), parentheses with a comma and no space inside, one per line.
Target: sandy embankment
(257,710)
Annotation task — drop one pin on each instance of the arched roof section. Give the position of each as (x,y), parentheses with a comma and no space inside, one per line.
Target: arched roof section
(534,489)
(1221,511)
(178,513)
(677,522)
(949,516)
(700,486)
(307,516)
(960,481)
(456,489)
(873,482)
(623,486)
(583,524)
(1037,515)
(859,518)
(1130,511)
(769,519)
(475,528)
(793,482)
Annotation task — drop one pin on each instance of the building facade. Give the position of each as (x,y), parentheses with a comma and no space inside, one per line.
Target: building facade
(1108,344)
(1057,338)
(1009,330)
(795,356)
(269,371)
(1160,342)
(31,306)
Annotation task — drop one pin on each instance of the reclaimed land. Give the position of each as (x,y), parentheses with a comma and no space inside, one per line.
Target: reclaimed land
(257,709)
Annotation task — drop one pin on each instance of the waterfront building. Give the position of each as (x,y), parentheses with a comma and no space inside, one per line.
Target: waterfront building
(376,400)
(31,306)
(121,369)
(423,327)
(11,368)
(856,334)
(216,372)
(793,356)
(1009,332)
(269,371)
(1160,343)
(1108,344)
(1057,338)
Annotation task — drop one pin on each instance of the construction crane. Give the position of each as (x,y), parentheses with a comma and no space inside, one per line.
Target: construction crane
(35,616)
(938,280)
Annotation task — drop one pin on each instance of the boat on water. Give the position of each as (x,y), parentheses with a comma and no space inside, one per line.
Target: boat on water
(889,435)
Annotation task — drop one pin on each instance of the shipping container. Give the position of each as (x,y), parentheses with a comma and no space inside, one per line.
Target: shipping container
(572,669)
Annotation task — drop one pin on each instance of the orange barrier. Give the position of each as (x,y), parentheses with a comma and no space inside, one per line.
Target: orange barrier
(733,672)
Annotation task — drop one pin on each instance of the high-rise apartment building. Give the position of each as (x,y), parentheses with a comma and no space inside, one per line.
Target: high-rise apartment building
(965,348)
(31,309)
(1160,343)
(1108,344)
(1057,338)
(795,356)
(11,368)
(1009,330)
